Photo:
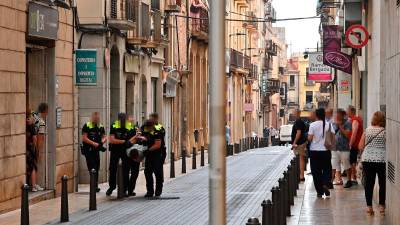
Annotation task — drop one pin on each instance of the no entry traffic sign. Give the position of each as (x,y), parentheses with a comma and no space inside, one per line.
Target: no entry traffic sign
(357,36)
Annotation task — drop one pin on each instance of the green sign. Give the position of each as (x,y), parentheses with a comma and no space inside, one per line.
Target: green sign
(85,63)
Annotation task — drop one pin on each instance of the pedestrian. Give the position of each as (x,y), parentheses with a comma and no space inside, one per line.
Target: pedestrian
(356,133)
(153,162)
(373,158)
(93,139)
(341,154)
(227,134)
(39,121)
(122,135)
(161,131)
(329,115)
(320,156)
(31,152)
(266,132)
(299,141)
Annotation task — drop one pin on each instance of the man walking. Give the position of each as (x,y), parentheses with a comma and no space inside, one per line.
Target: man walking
(299,141)
(355,137)
(341,156)
(93,139)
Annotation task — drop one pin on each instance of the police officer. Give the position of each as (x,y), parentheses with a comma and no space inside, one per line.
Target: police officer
(93,139)
(161,131)
(153,161)
(122,133)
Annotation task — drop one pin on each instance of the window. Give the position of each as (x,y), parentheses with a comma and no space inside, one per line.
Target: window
(154,93)
(309,97)
(292,81)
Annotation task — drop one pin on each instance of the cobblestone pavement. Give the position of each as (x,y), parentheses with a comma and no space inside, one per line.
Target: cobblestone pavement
(250,176)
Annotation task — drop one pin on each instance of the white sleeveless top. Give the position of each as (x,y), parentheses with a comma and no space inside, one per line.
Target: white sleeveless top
(375,151)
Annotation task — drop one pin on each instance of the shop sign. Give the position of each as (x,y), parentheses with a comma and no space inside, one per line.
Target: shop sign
(42,21)
(339,60)
(344,86)
(318,71)
(332,38)
(58,117)
(86,65)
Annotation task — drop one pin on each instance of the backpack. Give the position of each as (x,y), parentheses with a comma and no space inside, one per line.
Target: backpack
(330,139)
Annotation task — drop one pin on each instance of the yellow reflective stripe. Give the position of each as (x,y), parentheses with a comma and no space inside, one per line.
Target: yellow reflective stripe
(91,125)
(128,125)
(158,126)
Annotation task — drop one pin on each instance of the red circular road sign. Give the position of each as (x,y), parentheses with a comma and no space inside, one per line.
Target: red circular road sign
(357,36)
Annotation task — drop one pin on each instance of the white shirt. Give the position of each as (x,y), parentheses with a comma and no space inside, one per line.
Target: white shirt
(318,141)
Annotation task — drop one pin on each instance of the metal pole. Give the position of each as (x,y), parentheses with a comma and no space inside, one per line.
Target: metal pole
(194,155)
(25,205)
(92,192)
(172,165)
(217,177)
(202,156)
(183,161)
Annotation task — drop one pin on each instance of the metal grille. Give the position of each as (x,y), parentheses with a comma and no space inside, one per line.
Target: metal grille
(391,172)
(114,9)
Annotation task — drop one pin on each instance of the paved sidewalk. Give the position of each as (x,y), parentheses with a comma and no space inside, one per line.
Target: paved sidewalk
(49,210)
(185,200)
(345,207)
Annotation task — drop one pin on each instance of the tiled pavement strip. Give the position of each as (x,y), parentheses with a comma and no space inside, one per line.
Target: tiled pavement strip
(250,178)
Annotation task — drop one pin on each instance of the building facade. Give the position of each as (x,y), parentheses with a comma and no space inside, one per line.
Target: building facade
(37,66)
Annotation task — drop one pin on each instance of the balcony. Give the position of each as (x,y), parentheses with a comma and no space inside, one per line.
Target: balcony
(140,35)
(252,25)
(155,5)
(253,75)
(199,22)
(272,48)
(238,60)
(273,86)
(155,35)
(173,6)
(122,14)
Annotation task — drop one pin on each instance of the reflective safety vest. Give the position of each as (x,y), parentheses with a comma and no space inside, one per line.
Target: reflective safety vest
(158,126)
(91,125)
(128,125)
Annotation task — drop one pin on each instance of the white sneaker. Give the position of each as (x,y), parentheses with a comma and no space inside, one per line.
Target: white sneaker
(38,188)
(34,189)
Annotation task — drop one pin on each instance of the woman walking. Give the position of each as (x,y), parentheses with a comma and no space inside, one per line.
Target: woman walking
(372,145)
(320,156)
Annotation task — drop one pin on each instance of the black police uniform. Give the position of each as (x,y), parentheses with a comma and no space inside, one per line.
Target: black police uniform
(94,133)
(161,131)
(119,152)
(153,163)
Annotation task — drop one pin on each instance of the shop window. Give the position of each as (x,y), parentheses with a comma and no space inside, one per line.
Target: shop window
(309,96)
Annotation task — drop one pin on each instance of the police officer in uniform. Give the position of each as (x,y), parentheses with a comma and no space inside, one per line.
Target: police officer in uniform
(122,134)
(153,161)
(93,139)
(161,131)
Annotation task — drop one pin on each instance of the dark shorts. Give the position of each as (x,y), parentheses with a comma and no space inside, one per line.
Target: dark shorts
(353,155)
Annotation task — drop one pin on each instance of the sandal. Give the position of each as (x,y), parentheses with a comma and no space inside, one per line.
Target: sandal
(370,211)
(382,209)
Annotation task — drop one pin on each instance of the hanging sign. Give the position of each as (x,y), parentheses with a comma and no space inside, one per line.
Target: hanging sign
(317,70)
(357,36)
(339,60)
(332,38)
(86,65)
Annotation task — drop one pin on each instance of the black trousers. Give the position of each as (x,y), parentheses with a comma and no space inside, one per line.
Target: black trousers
(133,169)
(154,165)
(321,169)
(371,169)
(93,161)
(115,156)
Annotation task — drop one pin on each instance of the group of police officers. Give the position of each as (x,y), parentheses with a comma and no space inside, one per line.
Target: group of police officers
(123,135)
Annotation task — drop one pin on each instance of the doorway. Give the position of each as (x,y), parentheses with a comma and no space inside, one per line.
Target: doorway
(167,121)
(130,101)
(143,97)
(36,93)
(114,84)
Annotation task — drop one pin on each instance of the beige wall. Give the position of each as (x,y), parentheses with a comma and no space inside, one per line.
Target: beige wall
(13,17)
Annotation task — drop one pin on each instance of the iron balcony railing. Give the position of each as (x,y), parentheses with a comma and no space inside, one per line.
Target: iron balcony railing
(199,21)
(123,10)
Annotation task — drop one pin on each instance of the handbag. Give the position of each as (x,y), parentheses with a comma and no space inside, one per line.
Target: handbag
(330,139)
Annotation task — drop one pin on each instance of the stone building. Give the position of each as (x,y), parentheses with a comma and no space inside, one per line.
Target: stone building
(130,44)
(36,45)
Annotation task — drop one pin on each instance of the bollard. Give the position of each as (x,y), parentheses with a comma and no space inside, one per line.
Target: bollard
(64,199)
(282,208)
(202,156)
(92,193)
(294,177)
(172,165)
(267,212)
(240,145)
(290,185)
(120,181)
(298,170)
(226,150)
(194,158)
(286,193)
(183,161)
(275,206)
(24,205)
(253,221)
